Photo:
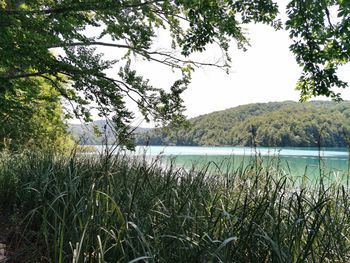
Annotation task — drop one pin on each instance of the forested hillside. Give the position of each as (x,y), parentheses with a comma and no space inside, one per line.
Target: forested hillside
(96,132)
(264,124)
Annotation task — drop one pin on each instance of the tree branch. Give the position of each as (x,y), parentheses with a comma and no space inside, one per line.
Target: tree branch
(328,18)
(145,53)
(77,8)
(92,43)
(23,75)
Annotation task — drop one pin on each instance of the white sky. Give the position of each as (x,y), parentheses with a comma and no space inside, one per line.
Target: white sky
(266,72)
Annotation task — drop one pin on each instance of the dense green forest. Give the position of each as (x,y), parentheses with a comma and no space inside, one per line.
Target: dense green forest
(263,124)
(32,116)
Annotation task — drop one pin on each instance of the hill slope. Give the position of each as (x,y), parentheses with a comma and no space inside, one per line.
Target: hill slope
(264,124)
(85,133)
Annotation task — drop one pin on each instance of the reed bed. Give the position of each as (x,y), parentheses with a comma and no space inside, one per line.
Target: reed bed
(125,209)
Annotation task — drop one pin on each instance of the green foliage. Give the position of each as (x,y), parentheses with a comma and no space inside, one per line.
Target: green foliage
(31,30)
(264,124)
(320,33)
(31,116)
(118,209)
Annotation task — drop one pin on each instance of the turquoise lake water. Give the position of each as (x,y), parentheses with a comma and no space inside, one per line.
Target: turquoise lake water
(296,161)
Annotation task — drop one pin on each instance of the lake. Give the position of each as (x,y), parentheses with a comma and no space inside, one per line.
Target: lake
(296,161)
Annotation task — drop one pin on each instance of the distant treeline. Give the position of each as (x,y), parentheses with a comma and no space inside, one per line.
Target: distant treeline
(263,124)
(97,132)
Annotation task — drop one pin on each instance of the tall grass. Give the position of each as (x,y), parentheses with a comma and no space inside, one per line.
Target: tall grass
(122,209)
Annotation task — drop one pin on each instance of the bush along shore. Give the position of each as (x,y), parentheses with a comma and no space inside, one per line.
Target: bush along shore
(121,209)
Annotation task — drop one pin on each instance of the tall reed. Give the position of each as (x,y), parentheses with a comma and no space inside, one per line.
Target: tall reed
(125,209)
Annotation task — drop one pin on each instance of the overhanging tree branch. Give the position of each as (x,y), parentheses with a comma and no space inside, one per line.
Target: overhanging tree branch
(75,8)
(22,75)
(145,53)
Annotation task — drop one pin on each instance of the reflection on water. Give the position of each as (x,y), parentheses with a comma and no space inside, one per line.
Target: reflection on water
(247,151)
(295,161)
(292,165)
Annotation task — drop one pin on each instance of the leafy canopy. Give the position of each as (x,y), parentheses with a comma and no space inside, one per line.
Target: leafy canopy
(32,117)
(31,30)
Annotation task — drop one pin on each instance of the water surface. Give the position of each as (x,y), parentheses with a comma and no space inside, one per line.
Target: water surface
(296,161)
